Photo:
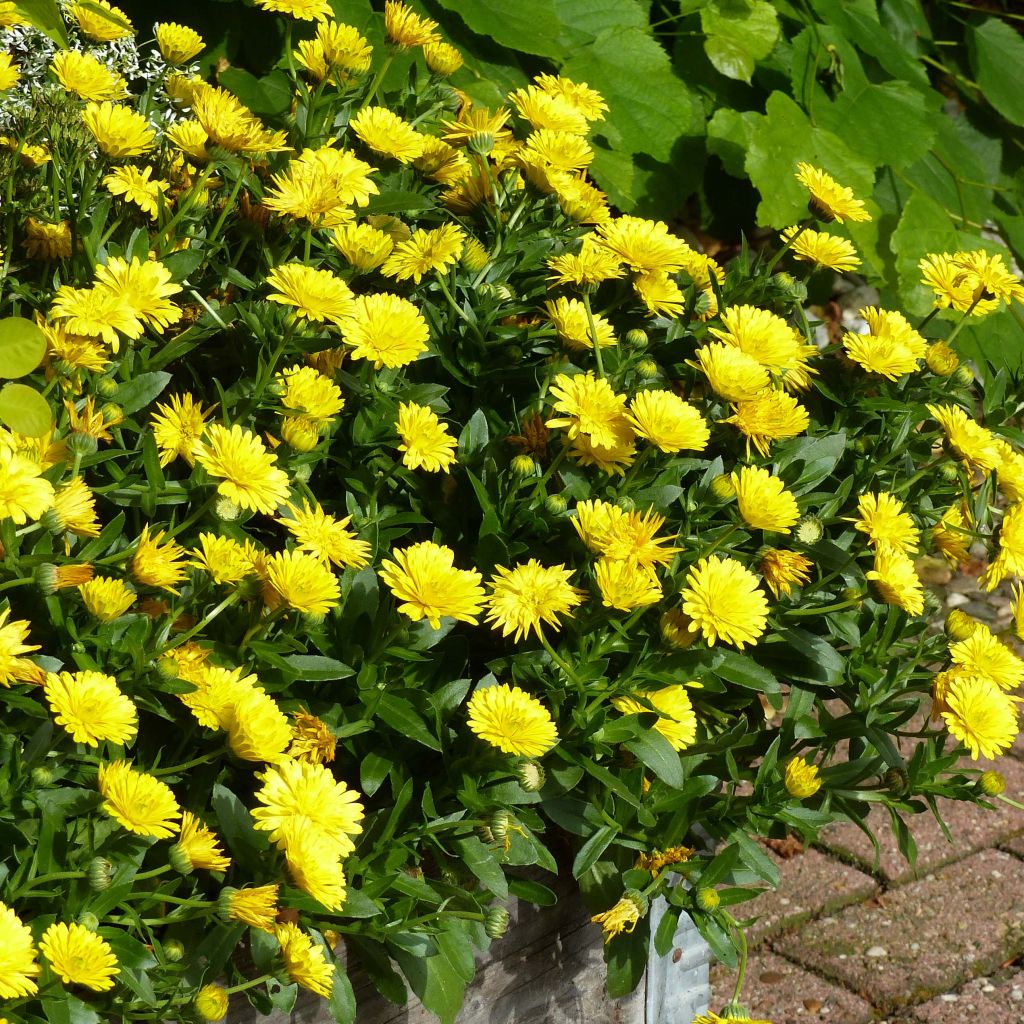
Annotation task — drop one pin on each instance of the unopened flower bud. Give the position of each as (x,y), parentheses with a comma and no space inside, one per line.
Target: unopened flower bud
(212,1002)
(865,444)
(173,950)
(100,873)
(626,503)
(638,899)
(87,919)
(531,776)
(722,487)
(707,898)
(481,143)
(474,256)
(112,413)
(523,465)
(636,337)
(483,830)
(809,530)
(106,387)
(675,629)
(42,776)
(503,292)
(179,859)
(964,376)
(496,922)
(959,625)
(501,822)
(897,780)
(81,444)
(941,359)
(852,594)
(949,471)
(226,510)
(648,369)
(992,783)
(556,504)
(513,354)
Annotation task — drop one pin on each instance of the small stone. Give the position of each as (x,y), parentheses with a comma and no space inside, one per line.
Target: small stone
(876,951)
(1016,994)
(915,946)
(813,1005)
(949,997)
(988,987)
(955,600)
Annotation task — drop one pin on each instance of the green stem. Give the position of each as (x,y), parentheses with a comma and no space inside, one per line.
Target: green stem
(1010,801)
(963,319)
(593,334)
(559,660)
(638,462)
(927,320)
(555,463)
(789,244)
(178,768)
(823,609)
(35,883)
(378,79)
(236,188)
(741,969)
(152,874)
(228,601)
(261,980)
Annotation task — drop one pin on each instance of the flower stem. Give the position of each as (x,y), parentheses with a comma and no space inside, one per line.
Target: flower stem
(559,660)
(789,244)
(261,980)
(593,334)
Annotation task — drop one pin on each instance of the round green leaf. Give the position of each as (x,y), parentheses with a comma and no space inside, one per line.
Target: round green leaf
(22,346)
(24,410)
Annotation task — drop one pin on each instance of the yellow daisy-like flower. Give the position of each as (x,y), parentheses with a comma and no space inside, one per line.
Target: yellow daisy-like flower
(18,968)
(543,110)
(45,241)
(668,422)
(90,707)
(305,962)
(660,294)
(139,802)
(589,405)
(61,577)
(312,739)
(443,163)
(511,720)
(106,598)
(315,866)
(771,416)
(425,251)
(623,536)
(158,564)
(980,716)
(763,500)
(307,392)
(363,245)
(301,581)
(24,493)
(983,654)
(781,569)
(212,1002)
(891,347)
(646,246)
(198,846)
(766,337)
(732,374)
(442,58)
(218,691)
(301,10)
(386,133)
(1016,604)
(178,44)
(952,535)
(405,28)
(896,580)
(85,76)
(191,138)
(137,188)
(589,102)
(247,473)
(591,265)
(386,329)
(144,288)
(327,538)
(101,21)
(177,425)
(623,916)
(258,730)
(724,603)
(79,956)
(256,907)
(830,200)
(231,125)
(321,186)
(1010,558)
(9,73)
(549,151)
(823,249)
(569,318)
(424,578)
(14,668)
(224,559)
(941,359)
(530,595)
(802,778)
(295,793)
(886,522)
(585,204)
(118,130)
(976,282)
(95,312)
(613,458)
(316,295)
(337,52)
(971,441)
(676,719)
(626,585)
(426,442)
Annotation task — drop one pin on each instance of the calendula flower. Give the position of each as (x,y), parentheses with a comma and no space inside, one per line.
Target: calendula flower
(106,598)
(405,28)
(301,581)
(95,312)
(255,906)
(980,716)
(1017,605)
(660,294)
(312,739)
(157,563)
(18,967)
(971,441)
(763,500)
(301,10)
(144,288)
(771,416)
(24,493)
(623,536)
(822,249)
(589,405)
(136,187)
(138,802)
(218,691)
(983,654)
(529,595)
(896,580)
(327,538)
(782,569)
(768,339)
(511,720)
(307,392)
(386,133)
(424,578)
(1009,560)
(336,52)
(891,347)
(295,793)
(211,1002)
(802,778)
(305,962)
(386,329)
(442,58)
(656,861)
(543,110)
(886,522)
(364,246)
(952,535)
(443,163)
(79,956)
(44,241)
(668,422)
(316,295)
(425,251)
(676,719)
(315,866)
(732,374)
(582,202)
(830,200)
(258,730)
(199,846)
(61,577)
(224,559)
(941,359)
(85,76)
(569,318)
(231,125)
(14,668)
(555,151)
(723,600)
(246,470)
(9,73)
(178,44)
(191,138)
(321,186)
(626,585)
(623,916)
(76,352)
(643,245)
(177,425)
(426,442)
(589,102)
(591,265)
(614,458)
(985,279)
(90,707)
(101,21)
(118,130)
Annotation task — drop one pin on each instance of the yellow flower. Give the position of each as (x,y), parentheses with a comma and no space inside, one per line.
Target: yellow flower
(362,245)
(543,110)
(103,25)
(623,536)
(24,493)
(28,154)
(224,559)
(896,580)
(781,569)
(569,318)
(84,75)
(613,458)
(158,565)
(119,131)
(90,707)
(18,967)
(511,720)
(77,352)
(426,442)
(626,585)
(337,52)
(582,202)
(79,956)
(315,866)
(301,581)
(941,359)
(317,295)
(95,312)
(45,241)
(830,200)
(590,407)
(983,654)
(971,441)
(247,473)
(763,500)
(733,374)
(529,595)
(552,151)
(327,538)
(724,602)
(589,102)
(301,10)
(658,860)
(643,245)
(660,294)
(256,907)
(591,265)
(423,577)
(312,739)
(405,28)
(191,138)
(295,793)
(892,347)
(386,329)
(886,522)
(823,249)
(1017,604)
(139,802)
(386,133)
(218,691)
(676,719)
(177,426)
(1010,559)
(321,185)
(802,778)
(668,422)
(136,187)
(257,728)
(231,125)
(212,1002)
(308,393)
(771,341)
(425,251)
(623,916)
(442,162)
(178,43)
(980,716)
(9,15)
(442,58)
(952,535)
(106,598)
(198,845)
(144,288)
(977,281)
(771,416)
(305,962)
(13,667)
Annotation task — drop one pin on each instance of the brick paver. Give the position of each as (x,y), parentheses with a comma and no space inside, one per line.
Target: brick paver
(978,1002)
(922,939)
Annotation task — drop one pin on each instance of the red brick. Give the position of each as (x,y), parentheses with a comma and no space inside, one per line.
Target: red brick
(978,1002)
(936,933)
(783,993)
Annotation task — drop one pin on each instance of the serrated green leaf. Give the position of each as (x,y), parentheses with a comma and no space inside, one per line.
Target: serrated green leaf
(529,26)
(997,55)
(739,33)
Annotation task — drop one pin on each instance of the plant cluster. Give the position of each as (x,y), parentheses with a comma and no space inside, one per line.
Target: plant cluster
(386,521)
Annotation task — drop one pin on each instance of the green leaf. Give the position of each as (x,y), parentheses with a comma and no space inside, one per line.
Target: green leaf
(656,752)
(402,717)
(480,859)
(626,956)
(398,202)
(475,435)
(739,34)
(68,1010)
(22,346)
(24,410)
(532,892)
(315,668)
(529,26)
(342,1004)
(590,852)
(137,393)
(269,96)
(584,20)
(997,54)
(46,16)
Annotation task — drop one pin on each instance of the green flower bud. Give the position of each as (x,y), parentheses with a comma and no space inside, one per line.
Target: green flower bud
(992,783)
(722,487)
(626,503)
(531,776)
(636,337)
(100,873)
(707,898)
(106,387)
(42,776)
(480,143)
(648,369)
(523,465)
(81,444)
(809,530)
(964,376)
(556,504)
(112,413)
(173,950)
(949,471)
(513,354)
(226,510)
(501,822)
(179,859)
(483,830)
(897,780)
(496,922)
(852,594)
(87,919)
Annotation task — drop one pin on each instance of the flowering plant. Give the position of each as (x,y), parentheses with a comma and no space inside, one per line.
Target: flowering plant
(382,516)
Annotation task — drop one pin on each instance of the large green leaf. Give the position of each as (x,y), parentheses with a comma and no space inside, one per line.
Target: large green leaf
(529,26)
(584,20)
(24,410)
(46,16)
(997,56)
(739,34)
(22,346)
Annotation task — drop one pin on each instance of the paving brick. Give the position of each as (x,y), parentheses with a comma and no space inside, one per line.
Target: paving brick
(973,828)
(810,884)
(979,1001)
(783,993)
(922,939)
